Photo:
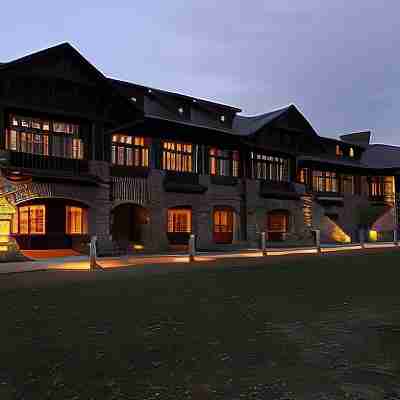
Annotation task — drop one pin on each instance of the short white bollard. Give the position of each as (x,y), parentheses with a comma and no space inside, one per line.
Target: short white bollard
(93,253)
(362,238)
(318,240)
(192,247)
(263,244)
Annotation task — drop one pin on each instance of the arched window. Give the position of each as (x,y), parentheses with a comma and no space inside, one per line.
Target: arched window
(223,225)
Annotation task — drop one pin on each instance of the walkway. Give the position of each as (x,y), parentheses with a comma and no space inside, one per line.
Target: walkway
(82,262)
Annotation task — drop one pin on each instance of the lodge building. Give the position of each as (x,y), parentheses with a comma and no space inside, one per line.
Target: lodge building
(83,154)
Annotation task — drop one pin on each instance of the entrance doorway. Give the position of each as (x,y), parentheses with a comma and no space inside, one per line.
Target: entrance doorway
(127,223)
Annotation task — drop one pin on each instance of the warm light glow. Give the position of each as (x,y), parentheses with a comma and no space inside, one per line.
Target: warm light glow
(138,246)
(177,156)
(75,220)
(179,220)
(373,235)
(32,220)
(3,248)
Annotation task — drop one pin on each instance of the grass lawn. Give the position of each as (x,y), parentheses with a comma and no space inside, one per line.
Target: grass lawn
(319,327)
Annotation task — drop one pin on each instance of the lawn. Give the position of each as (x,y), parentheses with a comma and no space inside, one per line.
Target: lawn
(316,327)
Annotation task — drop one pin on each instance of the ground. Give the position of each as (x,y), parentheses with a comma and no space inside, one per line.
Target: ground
(310,327)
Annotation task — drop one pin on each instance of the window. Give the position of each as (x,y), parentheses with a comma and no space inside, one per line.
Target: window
(44,137)
(177,156)
(75,220)
(130,150)
(179,220)
(325,181)
(339,151)
(381,186)
(29,220)
(224,162)
(351,152)
(223,225)
(348,184)
(277,225)
(303,175)
(270,168)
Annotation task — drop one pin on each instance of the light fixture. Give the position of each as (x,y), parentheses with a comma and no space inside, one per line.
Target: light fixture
(180,109)
(149,90)
(222,118)
(133,99)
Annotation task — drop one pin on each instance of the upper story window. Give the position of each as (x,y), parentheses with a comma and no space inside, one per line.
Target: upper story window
(303,175)
(44,137)
(339,151)
(224,162)
(381,186)
(348,184)
(351,152)
(325,181)
(269,167)
(177,156)
(131,151)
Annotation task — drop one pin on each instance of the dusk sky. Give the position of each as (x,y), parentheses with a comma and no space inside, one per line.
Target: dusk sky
(338,61)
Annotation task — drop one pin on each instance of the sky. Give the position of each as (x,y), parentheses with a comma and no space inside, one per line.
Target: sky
(337,61)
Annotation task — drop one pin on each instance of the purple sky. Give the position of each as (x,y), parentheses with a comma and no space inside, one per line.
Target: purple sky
(338,62)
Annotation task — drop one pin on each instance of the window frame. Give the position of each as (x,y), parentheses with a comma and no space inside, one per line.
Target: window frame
(41,136)
(223,162)
(16,220)
(137,146)
(269,167)
(176,156)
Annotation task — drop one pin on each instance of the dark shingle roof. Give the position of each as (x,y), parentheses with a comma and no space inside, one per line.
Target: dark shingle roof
(245,126)
(381,156)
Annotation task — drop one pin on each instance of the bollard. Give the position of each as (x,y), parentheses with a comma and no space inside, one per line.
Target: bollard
(263,246)
(362,239)
(93,253)
(192,247)
(318,240)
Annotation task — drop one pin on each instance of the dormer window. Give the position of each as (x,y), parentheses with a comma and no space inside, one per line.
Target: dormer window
(180,110)
(222,118)
(351,152)
(339,151)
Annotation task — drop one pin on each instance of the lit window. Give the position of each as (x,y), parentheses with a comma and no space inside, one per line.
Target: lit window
(29,220)
(351,152)
(223,225)
(224,162)
(222,118)
(179,220)
(180,109)
(32,135)
(177,156)
(339,151)
(130,150)
(270,168)
(76,220)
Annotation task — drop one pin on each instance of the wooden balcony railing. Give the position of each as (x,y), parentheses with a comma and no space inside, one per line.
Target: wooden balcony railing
(56,164)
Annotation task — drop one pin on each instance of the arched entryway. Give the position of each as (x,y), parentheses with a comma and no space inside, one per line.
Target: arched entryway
(127,223)
(223,225)
(50,223)
(277,225)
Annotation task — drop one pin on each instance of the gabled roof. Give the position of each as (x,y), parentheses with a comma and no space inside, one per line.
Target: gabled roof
(50,50)
(119,83)
(381,156)
(245,126)
(66,47)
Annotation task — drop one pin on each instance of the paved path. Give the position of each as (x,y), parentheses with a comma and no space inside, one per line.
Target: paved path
(82,262)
